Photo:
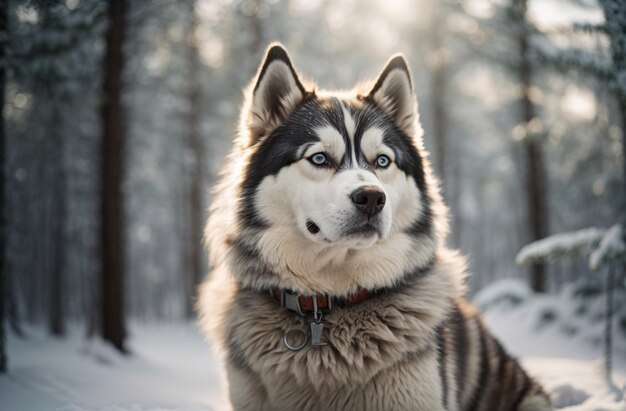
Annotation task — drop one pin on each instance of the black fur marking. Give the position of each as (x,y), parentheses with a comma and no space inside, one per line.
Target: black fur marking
(275,152)
(481,385)
(522,393)
(248,260)
(245,250)
(367,117)
(409,278)
(443,370)
(334,115)
(497,390)
(409,160)
(236,355)
(419,354)
(460,348)
(423,224)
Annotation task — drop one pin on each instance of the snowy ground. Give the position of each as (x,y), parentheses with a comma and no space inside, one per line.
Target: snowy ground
(570,369)
(172,368)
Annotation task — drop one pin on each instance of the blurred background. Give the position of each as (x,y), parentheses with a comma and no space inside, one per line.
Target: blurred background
(118,116)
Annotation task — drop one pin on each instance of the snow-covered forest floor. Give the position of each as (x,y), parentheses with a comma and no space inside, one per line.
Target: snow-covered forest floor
(173,368)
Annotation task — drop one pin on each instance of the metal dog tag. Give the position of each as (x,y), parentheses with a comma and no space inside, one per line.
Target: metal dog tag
(300,339)
(316,334)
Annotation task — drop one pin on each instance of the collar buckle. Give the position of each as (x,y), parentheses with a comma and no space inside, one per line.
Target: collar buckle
(291,301)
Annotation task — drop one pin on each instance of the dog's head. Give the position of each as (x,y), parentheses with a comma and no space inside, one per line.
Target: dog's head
(328,191)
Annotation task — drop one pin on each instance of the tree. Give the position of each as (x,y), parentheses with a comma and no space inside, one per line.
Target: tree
(4,25)
(535,172)
(498,42)
(193,254)
(438,92)
(56,318)
(47,47)
(112,216)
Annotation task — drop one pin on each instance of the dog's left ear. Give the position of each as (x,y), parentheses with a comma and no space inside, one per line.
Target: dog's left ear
(276,94)
(393,93)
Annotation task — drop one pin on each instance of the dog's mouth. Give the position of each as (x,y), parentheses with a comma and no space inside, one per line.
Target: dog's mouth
(365,230)
(359,235)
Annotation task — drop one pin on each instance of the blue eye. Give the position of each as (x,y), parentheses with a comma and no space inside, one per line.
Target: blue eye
(383,161)
(319,159)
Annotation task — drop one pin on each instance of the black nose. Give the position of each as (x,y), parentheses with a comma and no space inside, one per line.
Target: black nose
(370,200)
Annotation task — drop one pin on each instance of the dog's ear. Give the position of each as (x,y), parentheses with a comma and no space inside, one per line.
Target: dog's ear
(277,92)
(393,93)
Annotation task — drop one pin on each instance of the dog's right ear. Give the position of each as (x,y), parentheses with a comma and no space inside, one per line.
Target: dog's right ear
(277,92)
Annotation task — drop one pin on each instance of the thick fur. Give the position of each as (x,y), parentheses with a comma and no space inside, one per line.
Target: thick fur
(416,344)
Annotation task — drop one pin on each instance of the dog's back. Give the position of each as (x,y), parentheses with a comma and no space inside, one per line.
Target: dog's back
(476,372)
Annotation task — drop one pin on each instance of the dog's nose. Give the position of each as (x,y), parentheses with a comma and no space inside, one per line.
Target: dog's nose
(369,199)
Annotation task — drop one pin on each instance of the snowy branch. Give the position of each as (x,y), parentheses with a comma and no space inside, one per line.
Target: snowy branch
(586,28)
(602,246)
(564,245)
(611,247)
(589,28)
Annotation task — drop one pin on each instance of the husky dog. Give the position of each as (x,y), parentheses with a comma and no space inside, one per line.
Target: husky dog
(331,287)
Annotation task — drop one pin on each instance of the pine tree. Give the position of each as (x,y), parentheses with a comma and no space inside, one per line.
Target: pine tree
(195,148)
(510,35)
(113,136)
(535,171)
(4,26)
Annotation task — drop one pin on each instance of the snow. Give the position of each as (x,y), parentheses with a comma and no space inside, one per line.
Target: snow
(172,368)
(558,245)
(611,246)
(601,246)
(557,344)
(508,292)
(575,384)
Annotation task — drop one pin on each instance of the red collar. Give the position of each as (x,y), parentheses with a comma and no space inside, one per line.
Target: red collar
(310,304)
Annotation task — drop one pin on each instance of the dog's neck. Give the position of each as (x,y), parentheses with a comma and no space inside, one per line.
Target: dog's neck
(282,258)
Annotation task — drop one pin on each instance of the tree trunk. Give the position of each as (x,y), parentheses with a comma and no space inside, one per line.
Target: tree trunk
(113,128)
(54,187)
(56,300)
(535,172)
(440,130)
(4,26)
(196,149)
(438,93)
